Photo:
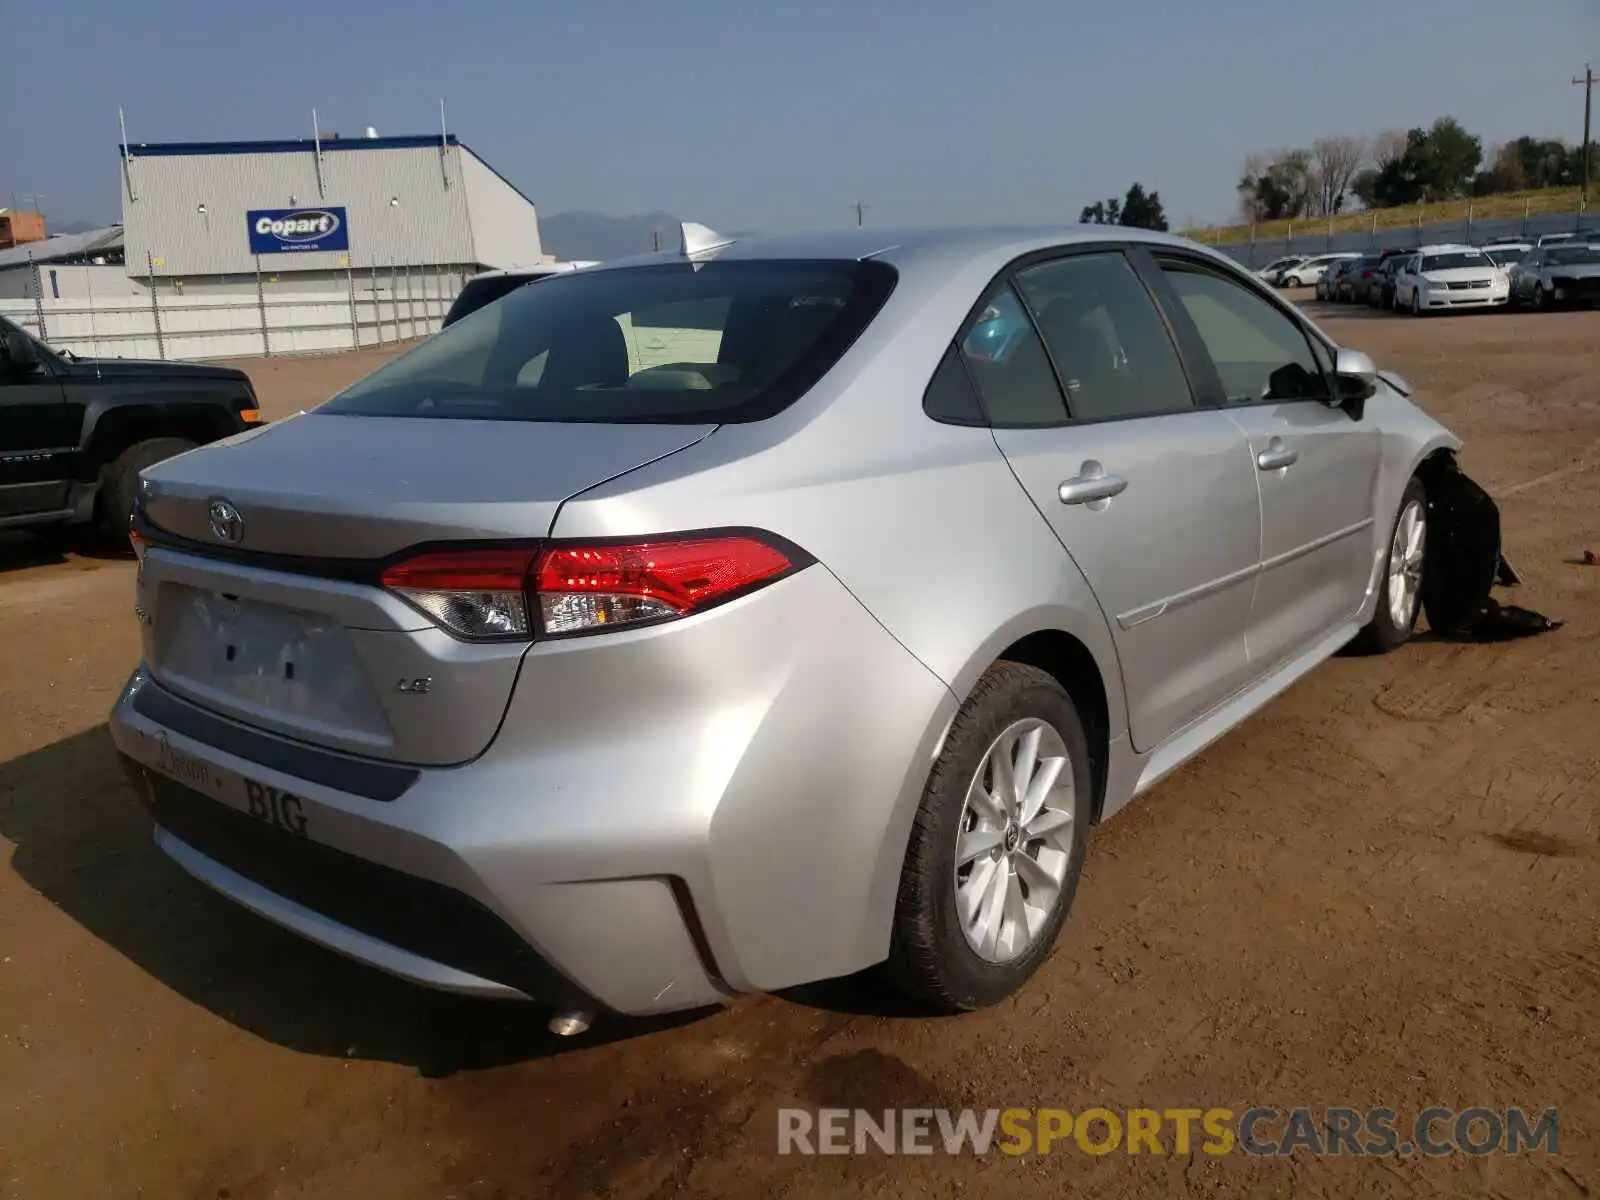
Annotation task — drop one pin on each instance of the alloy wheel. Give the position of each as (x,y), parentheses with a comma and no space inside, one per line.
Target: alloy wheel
(1405,564)
(1015,843)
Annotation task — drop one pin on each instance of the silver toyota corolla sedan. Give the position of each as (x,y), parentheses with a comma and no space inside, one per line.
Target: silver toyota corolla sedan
(761,611)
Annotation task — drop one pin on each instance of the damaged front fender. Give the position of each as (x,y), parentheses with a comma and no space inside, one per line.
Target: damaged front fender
(1463,561)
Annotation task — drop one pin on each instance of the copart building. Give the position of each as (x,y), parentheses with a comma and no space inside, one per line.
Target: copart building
(319,214)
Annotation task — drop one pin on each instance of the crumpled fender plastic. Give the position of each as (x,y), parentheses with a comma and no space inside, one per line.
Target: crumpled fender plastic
(1463,561)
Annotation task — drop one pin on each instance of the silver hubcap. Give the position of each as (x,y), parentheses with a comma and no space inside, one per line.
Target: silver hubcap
(1405,564)
(1015,844)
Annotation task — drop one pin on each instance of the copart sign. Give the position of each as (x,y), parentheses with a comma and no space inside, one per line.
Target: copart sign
(288,230)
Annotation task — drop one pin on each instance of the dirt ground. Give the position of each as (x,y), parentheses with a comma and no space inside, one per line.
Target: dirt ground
(1384,890)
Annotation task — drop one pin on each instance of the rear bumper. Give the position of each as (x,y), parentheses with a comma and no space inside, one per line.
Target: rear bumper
(666,817)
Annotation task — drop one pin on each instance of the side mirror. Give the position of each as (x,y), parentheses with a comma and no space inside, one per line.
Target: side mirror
(1355,378)
(20,356)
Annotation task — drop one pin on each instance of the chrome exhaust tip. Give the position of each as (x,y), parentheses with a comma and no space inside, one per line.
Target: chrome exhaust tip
(570,1024)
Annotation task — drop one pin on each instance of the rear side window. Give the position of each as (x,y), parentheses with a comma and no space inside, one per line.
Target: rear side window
(950,397)
(1009,366)
(1260,353)
(1106,337)
(676,342)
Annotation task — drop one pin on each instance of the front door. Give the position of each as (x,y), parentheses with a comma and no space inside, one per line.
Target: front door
(1154,499)
(37,437)
(1316,466)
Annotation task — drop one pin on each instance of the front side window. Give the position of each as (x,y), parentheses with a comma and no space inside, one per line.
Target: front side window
(1106,337)
(1260,353)
(677,343)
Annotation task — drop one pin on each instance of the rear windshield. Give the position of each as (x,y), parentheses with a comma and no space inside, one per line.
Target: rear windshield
(675,342)
(1503,255)
(480,292)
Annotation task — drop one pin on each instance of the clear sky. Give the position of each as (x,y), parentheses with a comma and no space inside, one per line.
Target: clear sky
(763,115)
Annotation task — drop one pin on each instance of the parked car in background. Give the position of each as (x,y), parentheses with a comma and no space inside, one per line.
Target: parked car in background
(1307,274)
(1381,294)
(76,432)
(1444,277)
(1366,275)
(1274,269)
(598,692)
(488,286)
(1357,281)
(1328,287)
(1405,271)
(1506,255)
(1552,239)
(1557,275)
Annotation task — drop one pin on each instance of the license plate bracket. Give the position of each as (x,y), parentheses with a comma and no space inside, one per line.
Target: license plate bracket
(274,806)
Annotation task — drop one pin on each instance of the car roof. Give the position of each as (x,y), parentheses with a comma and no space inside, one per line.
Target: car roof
(556,268)
(905,245)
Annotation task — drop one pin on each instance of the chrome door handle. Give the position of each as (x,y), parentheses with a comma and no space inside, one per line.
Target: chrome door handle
(1090,484)
(1277,456)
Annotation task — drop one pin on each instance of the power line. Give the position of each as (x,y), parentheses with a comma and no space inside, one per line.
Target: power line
(1587,84)
(860,211)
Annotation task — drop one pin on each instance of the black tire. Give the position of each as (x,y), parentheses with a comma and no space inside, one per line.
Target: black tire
(930,958)
(1541,298)
(1381,634)
(120,479)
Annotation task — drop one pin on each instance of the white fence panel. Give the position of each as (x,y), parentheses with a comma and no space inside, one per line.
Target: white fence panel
(239,324)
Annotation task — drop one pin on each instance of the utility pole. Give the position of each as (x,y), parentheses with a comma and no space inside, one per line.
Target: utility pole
(1587,83)
(860,211)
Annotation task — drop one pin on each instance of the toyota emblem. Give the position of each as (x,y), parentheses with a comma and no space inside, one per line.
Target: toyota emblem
(226,523)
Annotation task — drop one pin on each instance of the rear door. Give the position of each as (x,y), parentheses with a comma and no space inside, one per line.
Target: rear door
(38,437)
(1316,466)
(1152,496)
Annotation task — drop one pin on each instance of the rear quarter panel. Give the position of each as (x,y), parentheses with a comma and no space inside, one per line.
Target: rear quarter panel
(923,523)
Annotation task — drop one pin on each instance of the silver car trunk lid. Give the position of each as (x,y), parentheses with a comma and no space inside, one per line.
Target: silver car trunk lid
(344,487)
(269,637)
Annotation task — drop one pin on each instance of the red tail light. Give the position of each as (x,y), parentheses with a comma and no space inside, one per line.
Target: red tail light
(510,593)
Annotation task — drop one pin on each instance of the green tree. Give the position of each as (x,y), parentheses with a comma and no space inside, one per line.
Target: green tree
(1444,158)
(1142,210)
(1278,185)
(1102,212)
(1138,209)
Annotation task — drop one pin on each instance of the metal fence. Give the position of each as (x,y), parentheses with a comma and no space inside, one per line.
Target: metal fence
(1452,223)
(376,306)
